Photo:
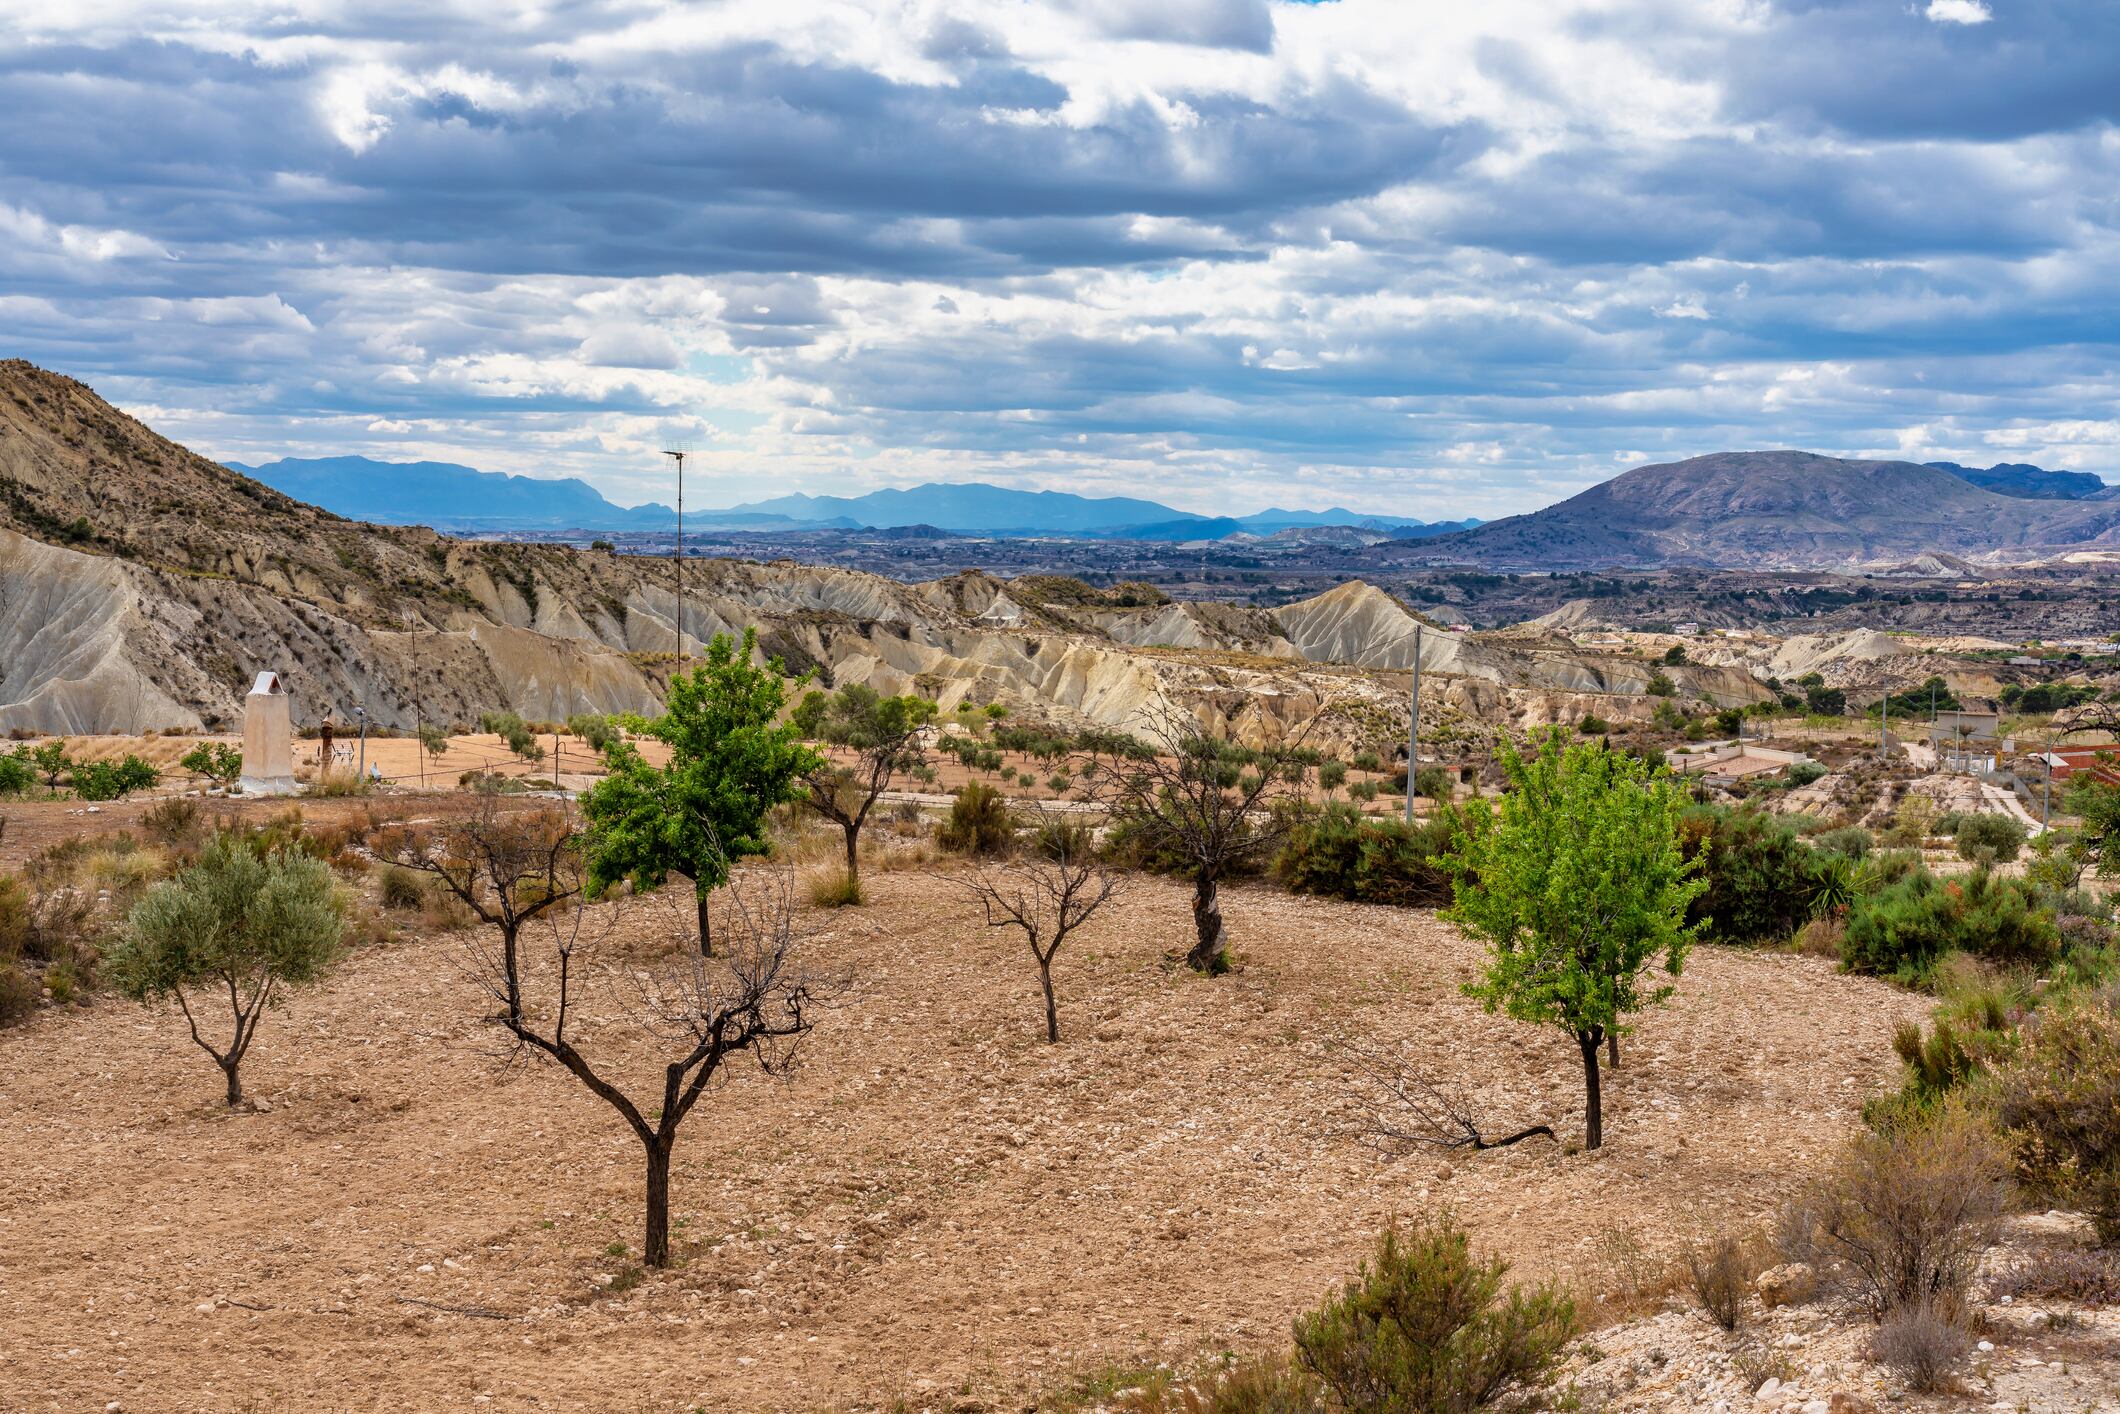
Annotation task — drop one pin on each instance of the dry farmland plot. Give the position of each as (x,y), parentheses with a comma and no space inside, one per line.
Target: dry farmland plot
(937,1202)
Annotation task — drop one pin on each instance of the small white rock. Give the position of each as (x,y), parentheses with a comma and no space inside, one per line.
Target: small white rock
(1985,1346)
(1768,1390)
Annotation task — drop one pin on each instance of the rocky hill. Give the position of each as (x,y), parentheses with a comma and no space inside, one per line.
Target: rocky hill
(1777,509)
(142,586)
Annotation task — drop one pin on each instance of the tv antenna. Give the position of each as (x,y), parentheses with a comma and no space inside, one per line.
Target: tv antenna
(678,455)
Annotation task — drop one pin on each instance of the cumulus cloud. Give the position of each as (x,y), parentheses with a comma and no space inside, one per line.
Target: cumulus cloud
(1420,261)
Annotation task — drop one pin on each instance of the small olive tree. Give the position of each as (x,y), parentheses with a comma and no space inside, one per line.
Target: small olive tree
(1578,886)
(235,928)
(882,733)
(1046,892)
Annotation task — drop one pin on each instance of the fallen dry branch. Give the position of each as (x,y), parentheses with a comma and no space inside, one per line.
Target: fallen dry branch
(1403,1110)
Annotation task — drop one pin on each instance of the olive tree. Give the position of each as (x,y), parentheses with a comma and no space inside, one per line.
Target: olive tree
(1577,883)
(732,759)
(883,736)
(237,928)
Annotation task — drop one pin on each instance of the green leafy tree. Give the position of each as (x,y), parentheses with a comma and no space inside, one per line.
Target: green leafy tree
(16,773)
(240,928)
(1578,885)
(215,760)
(2096,803)
(52,761)
(731,761)
(883,736)
(434,740)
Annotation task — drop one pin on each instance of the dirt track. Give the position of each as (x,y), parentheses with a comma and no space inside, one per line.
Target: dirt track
(937,1203)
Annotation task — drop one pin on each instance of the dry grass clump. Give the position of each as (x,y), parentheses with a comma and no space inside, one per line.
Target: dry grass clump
(1923,1342)
(1627,1278)
(2087,1275)
(1721,1270)
(833,886)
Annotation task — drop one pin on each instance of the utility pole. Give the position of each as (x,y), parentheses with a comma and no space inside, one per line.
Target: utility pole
(1413,738)
(361,715)
(678,455)
(1884,726)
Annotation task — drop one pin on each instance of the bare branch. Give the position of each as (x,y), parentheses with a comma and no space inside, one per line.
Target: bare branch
(1402,1110)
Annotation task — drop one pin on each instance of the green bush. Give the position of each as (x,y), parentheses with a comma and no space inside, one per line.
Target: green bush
(1426,1328)
(16,773)
(1850,841)
(1593,725)
(2060,1103)
(979,822)
(1905,928)
(1803,773)
(1761,876)
(1989,839)
(113,780)
(1337,853)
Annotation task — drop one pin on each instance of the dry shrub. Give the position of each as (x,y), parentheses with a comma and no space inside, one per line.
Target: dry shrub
(401,889)
(2060,1103)
(1722,1269)
(1629,1279)
(18,993)
(338,785)
(1264,1384)
(834,887)
(14,918)
(1821,937)
(1922,1342)
(2090,1275)
(173,822)
(1905,1215)
(1756,1363)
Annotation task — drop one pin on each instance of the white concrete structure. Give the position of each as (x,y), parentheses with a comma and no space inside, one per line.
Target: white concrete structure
(268,738)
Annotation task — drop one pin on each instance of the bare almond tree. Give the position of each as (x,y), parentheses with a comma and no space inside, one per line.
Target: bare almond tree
(1401,1110)
(545,947)
(1046,892)
(1206,805)
(508,866)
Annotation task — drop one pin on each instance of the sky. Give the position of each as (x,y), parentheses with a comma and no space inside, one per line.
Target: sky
(1411,257)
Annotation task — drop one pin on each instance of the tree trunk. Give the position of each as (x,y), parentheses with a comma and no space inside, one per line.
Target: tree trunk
(853,850)
(235,1084)
(1207,954)
(1612,1050)
(1593,1100)
(706,925)
(655,1244)
(1052,1010)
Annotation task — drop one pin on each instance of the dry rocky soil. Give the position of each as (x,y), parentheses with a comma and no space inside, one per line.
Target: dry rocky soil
(937,1207)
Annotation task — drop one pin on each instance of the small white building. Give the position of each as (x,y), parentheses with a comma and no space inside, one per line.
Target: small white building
(268,738)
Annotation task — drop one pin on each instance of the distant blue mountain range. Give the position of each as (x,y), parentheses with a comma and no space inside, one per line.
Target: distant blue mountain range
(460,498)
(2032,483)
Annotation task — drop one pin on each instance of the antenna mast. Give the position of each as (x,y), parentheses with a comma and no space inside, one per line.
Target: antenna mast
(677,454)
